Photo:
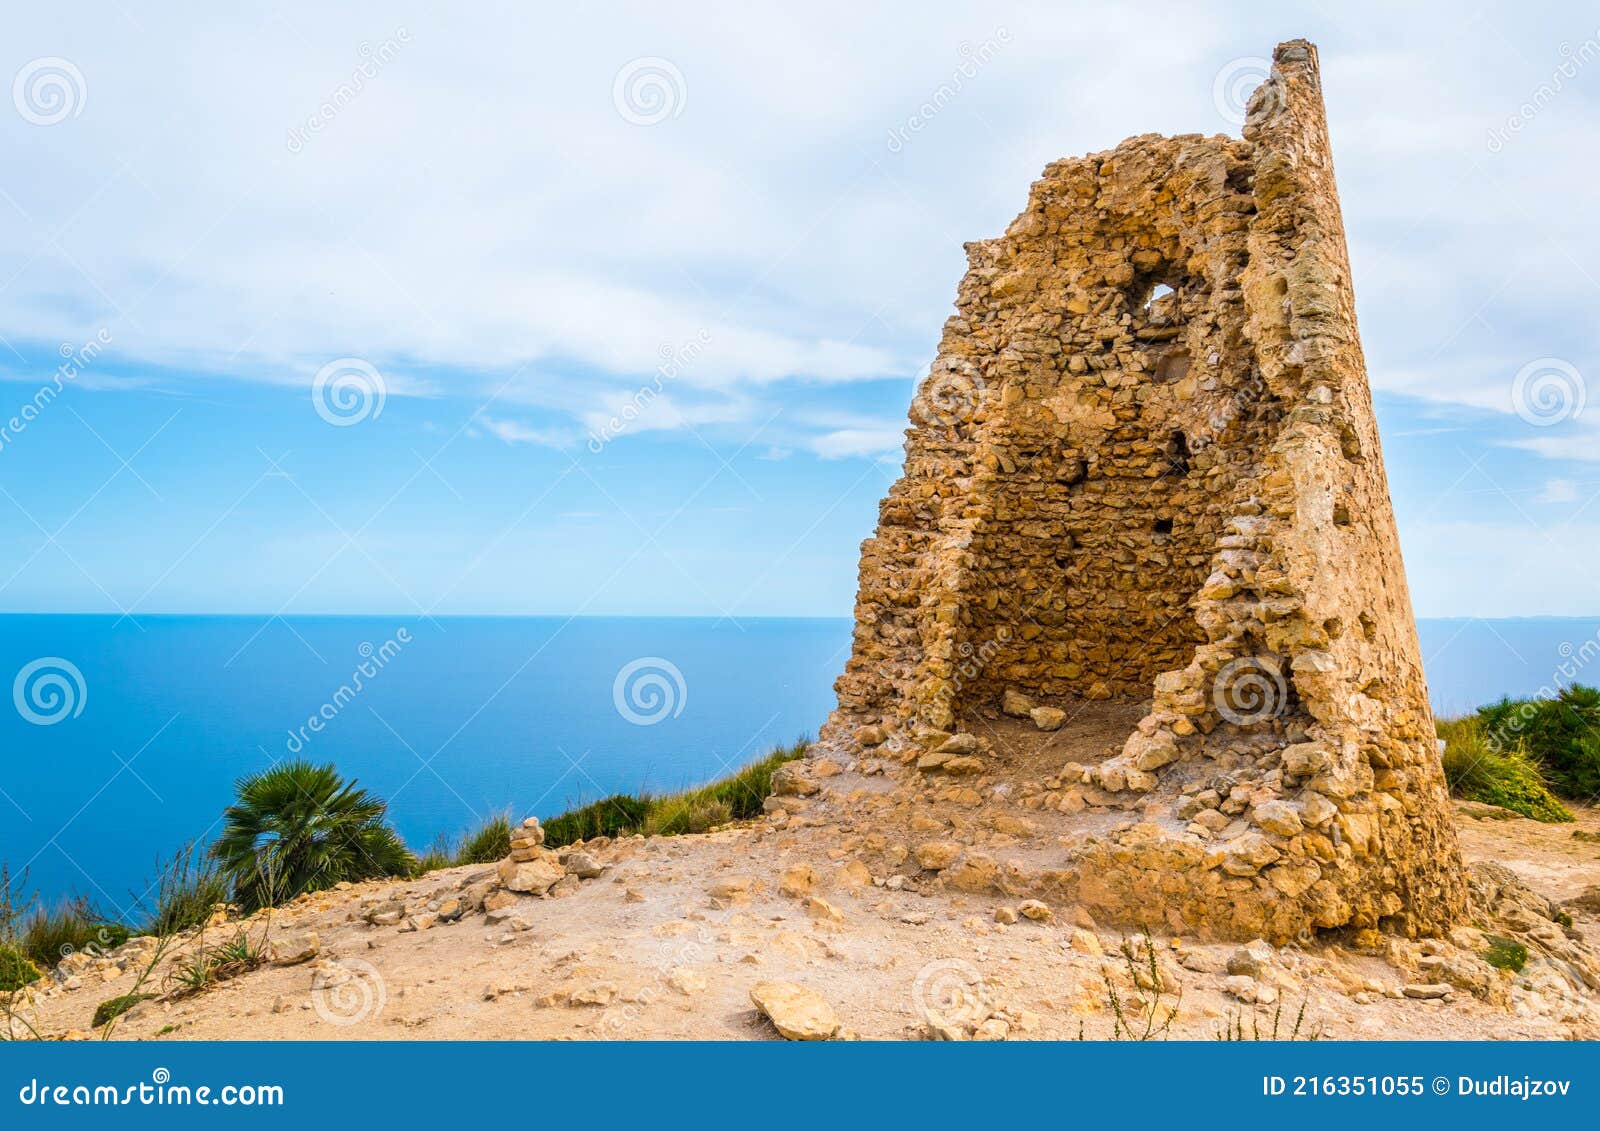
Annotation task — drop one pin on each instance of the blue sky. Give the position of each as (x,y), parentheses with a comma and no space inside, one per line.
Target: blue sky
(511,222)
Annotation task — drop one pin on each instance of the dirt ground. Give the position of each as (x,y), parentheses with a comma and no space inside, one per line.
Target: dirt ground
(668,941)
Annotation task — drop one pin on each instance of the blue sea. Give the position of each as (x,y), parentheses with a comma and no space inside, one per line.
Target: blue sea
(124,737)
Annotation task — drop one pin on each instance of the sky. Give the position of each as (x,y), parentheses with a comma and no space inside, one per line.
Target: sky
(618,309)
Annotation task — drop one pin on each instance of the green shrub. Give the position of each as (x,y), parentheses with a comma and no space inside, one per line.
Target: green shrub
(297,828)
(187,889)
(1506,954)
(1479,771)
(734,798)
(50,934)
(1561,734)
(16,970)
(490,843)
(212,964)
(613,816)
(436,857)
(115,1007)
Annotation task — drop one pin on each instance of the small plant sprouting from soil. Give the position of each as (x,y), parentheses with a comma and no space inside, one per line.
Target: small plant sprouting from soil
(1234,1029)
(1146,1017)
(1506,954)
(210,965)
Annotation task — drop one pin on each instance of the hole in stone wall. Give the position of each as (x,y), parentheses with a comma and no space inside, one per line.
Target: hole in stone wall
(1350,443)
(1178,453)
(1157,293)
(1369,627)
(1163,526)
(1341,515)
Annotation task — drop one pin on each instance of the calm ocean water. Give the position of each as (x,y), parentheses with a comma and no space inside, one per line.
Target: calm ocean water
(142,731)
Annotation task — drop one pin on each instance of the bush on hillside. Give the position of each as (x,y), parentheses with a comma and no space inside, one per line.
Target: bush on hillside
(297,828)
(1561,734)
(1479,771)
(16,970)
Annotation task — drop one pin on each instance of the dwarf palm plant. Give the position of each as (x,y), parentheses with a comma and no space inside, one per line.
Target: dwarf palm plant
(299,827)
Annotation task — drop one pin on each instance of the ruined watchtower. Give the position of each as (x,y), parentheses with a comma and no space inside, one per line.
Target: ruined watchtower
(1144,472)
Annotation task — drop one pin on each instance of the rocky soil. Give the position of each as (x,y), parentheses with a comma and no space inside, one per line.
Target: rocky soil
(682,937)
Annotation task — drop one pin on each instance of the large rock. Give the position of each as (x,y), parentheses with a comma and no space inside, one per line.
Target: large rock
(796,1012)
(936,855)
(789,780)
(1015,703)
(535,876)
(1048,718)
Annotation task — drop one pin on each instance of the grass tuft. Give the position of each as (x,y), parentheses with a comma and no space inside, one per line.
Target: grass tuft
(1480,769)
(50,934)
(187,890)
(1506,954)
(16,970)
(737,797)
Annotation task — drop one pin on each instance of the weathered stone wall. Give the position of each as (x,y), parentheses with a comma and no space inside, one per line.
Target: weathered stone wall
(1111,492)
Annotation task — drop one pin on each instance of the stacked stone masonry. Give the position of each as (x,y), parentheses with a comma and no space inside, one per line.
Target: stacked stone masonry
(1145,467)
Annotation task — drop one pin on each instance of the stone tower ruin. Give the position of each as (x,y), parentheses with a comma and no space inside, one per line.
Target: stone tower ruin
(1144,472)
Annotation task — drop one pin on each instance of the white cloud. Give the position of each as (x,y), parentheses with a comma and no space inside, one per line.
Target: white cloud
(1557,491)
(513,432)
(475,218)
(871,442)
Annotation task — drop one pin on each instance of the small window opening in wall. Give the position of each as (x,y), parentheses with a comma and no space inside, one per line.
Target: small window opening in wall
(1178,453)
(1163,526)
(1157,293)
(1341,515)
